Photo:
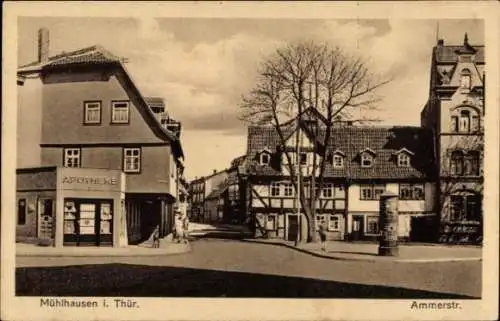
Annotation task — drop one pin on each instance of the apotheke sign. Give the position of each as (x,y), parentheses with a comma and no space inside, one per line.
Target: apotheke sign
(89,180)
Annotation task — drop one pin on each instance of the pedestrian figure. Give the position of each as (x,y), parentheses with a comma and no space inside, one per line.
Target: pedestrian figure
(322,234)
(156,237)
(185,227)
(179,230)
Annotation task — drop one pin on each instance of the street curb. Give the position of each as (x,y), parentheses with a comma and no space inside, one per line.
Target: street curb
(367,259)
(153,252)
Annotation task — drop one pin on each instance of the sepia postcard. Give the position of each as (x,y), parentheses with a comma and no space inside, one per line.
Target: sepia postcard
(250,161)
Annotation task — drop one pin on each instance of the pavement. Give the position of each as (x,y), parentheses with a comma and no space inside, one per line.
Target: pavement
(336,250)
(144,249)
(411,253)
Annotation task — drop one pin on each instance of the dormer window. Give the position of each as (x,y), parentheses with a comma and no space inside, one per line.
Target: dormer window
(338,159)
(465,79)
(265,158)
(366,160)
(404,157)
(403,160)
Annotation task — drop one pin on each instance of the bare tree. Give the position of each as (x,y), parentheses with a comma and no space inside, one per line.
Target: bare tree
(307,75)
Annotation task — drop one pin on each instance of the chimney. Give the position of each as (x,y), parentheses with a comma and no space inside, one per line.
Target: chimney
(440,42)
(215,171)
(43,45)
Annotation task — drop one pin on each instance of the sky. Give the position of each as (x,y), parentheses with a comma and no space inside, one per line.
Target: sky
(202,66)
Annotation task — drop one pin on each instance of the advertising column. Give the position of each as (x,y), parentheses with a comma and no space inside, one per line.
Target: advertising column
(388,222)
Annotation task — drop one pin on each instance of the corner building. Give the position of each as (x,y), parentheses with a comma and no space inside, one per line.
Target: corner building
(95,164)
(455,113)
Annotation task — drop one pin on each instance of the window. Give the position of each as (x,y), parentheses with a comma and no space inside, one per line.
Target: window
(275,189)
(403,160)
(333,223)
(131,160)
(264,158)
(471,163)
(372,225)
(92,112)
(72,157)
(319,219)
(411,192)
(465,163)
(366,160)
(288,189)
(454,124)
(338,161)
(303,158)
(120,112)
(371,192)
(271,222)
(456,163)
(465,79)
(327,191)
(21,211)
(464,122)
(465,207)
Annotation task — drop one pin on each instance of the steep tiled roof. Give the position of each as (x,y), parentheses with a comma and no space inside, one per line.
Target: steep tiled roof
(90,55)
(216,193)
(448,54)
(351,140)
(97,55)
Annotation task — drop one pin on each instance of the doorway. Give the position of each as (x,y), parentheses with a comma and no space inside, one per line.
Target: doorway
(293,227)
(358,228)
(88,222)
(45,218)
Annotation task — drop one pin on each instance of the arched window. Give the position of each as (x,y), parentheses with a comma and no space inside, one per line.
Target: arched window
(465,79)
(457,163)
(464,122)
(465,119)
(465,207)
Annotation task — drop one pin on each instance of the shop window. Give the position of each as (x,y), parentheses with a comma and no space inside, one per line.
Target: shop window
(288,189)
(465,207)
(372,225)
(21,211)
(120,112)
(327,191)
(131,160)
(275,189)
(371,192)
(271,222)
(106,219)
(411,192)
(72,157)
(92,111)
(333,223)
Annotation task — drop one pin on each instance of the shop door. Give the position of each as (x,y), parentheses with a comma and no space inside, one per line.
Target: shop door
(293,227)
(46,218)
(88,222)
(357,227)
